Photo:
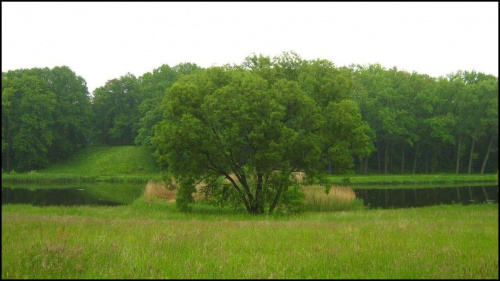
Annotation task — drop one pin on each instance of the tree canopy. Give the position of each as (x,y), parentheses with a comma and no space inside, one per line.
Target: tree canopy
(245,130)
(46,115)
(234,126)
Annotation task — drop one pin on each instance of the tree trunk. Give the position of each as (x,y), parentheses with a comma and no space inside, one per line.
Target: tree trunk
(330,170)
(259,196)
(403,159)
(415,160)
(386,159)
(7,150)
(458,155)
(426,164)
(248,205)
(470,156)
(391,162)
(275,201)
(378,155)
(487,155)
(366,165)
(361,162)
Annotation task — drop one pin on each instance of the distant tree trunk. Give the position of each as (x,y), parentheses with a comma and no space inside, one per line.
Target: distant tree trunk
(330,170)
(403,159)
(487,155)
(378,153)
(386,158)
(391,162)
(415,160)
(426,163)
(458,155)
(7,150)
(470,156)
(366,165)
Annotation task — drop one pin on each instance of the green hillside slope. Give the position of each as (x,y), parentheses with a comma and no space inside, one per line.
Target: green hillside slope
(107,161)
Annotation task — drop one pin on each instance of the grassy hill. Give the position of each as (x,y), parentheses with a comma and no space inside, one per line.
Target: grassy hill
(102,163)
(107,161)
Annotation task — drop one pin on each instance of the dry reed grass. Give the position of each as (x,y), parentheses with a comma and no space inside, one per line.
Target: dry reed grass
(337,197)
(315,197)
(159,190)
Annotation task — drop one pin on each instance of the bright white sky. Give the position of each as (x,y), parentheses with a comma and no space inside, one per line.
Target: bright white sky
(102,41)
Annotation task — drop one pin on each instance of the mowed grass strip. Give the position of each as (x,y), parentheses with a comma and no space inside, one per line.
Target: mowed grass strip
(409,179)
(155,241)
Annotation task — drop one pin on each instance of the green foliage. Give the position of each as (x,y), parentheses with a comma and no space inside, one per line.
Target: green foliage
(153,86)
(256,123)
(116,107)
(45,116)
(292,200)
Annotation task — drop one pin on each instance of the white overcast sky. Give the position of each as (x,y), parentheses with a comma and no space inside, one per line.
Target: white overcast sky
(101,41)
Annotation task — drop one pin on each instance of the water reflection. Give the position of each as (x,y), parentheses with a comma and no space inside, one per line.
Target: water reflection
(419,197)
(58,197)
(107,194)
(111,194)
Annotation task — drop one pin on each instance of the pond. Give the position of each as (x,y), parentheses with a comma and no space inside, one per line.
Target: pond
(70,194)
(113,194)
(419,197)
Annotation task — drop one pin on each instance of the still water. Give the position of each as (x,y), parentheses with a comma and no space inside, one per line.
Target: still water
(112,194)
(42,194)
(419,197)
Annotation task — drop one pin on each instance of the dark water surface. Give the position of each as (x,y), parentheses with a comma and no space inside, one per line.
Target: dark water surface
(419,197)
(107,194)
(112,194)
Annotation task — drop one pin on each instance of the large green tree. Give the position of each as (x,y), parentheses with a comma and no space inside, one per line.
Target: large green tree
(153,86)
(45,116)
(72,115)
(226,122)
(254,127)
(116,107)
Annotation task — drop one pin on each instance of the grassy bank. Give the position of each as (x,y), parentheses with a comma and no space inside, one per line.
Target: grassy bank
(120,164)
(155,241)
(414,179)
(97,164)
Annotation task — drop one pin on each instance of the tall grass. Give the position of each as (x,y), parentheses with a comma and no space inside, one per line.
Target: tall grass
(143,241)
(316,199)
(337,198)
(158,190)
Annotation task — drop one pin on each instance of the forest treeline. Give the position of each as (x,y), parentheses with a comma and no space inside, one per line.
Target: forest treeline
(384,120)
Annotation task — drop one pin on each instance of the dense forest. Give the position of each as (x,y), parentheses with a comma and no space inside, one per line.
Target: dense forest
(377,120)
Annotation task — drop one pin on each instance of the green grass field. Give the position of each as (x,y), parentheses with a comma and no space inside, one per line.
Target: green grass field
(409,179)
(145,240)
(156,241)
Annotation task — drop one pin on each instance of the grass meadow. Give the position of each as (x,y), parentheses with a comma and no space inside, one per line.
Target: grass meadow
(335,238)
(153,240)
